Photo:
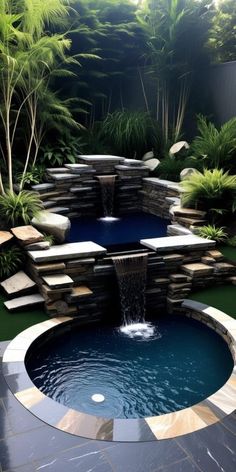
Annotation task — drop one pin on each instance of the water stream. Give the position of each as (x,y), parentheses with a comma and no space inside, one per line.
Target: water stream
(107,185)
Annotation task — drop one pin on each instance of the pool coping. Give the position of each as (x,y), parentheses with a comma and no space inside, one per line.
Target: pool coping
(171,425)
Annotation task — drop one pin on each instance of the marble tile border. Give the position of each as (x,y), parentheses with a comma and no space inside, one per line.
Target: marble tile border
(171,425)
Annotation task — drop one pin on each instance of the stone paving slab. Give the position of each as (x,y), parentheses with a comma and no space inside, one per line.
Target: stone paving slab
(23,302)
(27,234)
(5,237)
(177,242)
(68,251)
(100,158)
(58,281)
(17,283)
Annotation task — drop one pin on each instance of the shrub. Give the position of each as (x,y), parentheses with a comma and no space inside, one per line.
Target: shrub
(10,261)
(215,147)
(212,190)
(16,209)
(170,167)
(212,232)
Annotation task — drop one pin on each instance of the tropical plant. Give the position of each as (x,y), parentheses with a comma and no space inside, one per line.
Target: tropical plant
(222,37)
(217,148)
(10,261)
(16,209)
(49,238)
(129,133)
(62,151)
(177,31)
(170,167)
(33,176)
(213,232)
(212,190)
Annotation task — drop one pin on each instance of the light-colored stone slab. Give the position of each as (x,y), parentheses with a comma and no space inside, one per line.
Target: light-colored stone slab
(100,157)
(133,162)
(68,251)
(177,242)
(38,246)
(24,302)
(43,187)
(5,236)
(52,223)
(58,280)
(17,283)
(64,177)
(79,168)
(27,235)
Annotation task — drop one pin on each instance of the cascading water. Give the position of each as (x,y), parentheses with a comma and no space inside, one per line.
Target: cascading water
(107,185)
(131,273)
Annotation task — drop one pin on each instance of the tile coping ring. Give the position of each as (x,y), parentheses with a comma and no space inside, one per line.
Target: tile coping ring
(166,426)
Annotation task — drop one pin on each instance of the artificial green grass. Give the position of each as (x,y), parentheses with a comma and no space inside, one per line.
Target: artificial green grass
(12,324)
(222,297)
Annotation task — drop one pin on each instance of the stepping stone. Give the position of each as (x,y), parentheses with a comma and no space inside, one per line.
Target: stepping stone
(197,269)
(27,235)
(68,251)
(24,302)
(58,281)
(188,212)
(5,236)
(38,246)
(19,282)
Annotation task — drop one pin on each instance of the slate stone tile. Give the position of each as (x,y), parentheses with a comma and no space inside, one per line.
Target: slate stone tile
(21,449)
(25,468)
(5,428)
(183,466)
(213,448)
(229,422)
(85,458)
(20,418)
(143,457)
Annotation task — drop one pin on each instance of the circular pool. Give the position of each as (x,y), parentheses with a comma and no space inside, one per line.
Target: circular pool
(136,374)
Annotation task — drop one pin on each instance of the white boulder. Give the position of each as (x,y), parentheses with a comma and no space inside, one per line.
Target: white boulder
(177,147)
(52,223)
(186,173)
(152,163)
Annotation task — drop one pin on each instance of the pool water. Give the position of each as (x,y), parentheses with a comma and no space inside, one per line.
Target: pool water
(126,229)
(180,364)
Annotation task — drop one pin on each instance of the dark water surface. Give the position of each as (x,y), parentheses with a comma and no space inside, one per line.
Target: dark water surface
(182,363)
(128,229)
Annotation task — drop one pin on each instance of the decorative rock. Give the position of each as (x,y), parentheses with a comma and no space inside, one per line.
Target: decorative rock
(177,147)
(38,246)
(5,236)
(152,163)
(186,173)
(27,235)
(19,282)
(58,281)
(68,251)
(24,302)
(148,155)
(52,223)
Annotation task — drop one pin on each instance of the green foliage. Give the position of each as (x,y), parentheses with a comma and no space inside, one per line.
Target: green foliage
(213,232)
(217,148)
(222,40)
(49,238)
(10,261)
(33,176)
(17,209)
(65,150)
(170,168)
(231,241)
(129,133)
(212,190)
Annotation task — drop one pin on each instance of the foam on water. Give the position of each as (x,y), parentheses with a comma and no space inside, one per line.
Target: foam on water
(109,219)
(140,330)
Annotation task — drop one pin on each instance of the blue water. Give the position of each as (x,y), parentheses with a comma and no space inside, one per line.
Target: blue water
(178,366)
(128,229)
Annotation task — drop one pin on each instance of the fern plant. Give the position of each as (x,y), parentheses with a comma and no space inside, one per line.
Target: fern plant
(212,190)
(16,209)
(10,261)
(215,147)
(218,234)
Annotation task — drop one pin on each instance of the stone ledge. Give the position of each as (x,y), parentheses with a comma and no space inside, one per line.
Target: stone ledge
(67,251)
(177,242)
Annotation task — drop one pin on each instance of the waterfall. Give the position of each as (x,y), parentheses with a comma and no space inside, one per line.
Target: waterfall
(131,271)
(107,185)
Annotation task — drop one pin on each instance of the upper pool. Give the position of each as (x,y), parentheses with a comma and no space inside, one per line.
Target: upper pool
(124,230)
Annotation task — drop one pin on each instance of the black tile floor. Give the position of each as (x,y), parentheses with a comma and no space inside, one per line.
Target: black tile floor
(27,444)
